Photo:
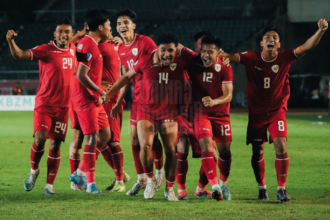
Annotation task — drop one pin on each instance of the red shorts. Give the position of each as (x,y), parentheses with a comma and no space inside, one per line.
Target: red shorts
(115,124)
(185,129)
(54,120)
(216,127)
(155,118)
(90,121)
(133,115)
(74,118)
(258,124)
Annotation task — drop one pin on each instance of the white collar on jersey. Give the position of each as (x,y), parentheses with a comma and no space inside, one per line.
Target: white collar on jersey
(92,39)
(60,48)
(270,60)
(131,42)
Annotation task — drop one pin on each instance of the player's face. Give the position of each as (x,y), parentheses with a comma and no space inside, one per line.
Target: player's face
(166,53)
(63,35)
(270,42)
(198,45)
(105,31)
(209,54)
(125,27)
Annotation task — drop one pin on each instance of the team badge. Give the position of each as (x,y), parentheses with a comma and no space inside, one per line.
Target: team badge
(116,47)
(275,68)
(72,52)
(173,66)
(80,46)
(89,56)
(135,51)
(217,67)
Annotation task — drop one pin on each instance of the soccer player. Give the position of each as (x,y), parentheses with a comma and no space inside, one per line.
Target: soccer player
(50,119)
(135,46)
(87,91)
(213,92)
(160,89)
(267,94)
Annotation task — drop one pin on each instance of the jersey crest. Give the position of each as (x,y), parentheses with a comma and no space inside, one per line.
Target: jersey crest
(72,52)
(217,67)
(135,51)
(173,66)
(275,68)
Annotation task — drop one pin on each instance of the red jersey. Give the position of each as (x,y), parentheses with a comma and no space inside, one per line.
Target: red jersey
(56,66)
(82,97)
(130,53)
(161,87)
(111,64)
(267,81)
(208,82)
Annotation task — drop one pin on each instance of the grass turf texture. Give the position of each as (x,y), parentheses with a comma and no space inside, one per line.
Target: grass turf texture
(308,179)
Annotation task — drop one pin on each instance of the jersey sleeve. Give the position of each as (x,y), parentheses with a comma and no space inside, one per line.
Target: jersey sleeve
(187,55)
(149,45)
(85,56)
(39,52)
(141,63)
(227,74)
(246,57)
(290,55)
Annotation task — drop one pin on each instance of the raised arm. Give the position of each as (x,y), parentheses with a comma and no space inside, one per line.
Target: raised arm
(233,58)
(313,40)
(80,34)
(227,89)
(14,49)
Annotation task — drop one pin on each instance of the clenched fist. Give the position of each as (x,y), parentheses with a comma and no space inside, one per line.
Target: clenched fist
(208,101)
(11,35)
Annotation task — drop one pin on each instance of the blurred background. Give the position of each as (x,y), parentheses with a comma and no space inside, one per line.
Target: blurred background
(237,22)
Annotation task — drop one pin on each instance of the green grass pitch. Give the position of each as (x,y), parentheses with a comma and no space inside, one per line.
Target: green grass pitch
(308,179)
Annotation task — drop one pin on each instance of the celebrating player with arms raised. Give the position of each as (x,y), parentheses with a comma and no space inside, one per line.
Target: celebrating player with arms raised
(135,46)
(158,109)
(50,120)
(267,95)
(211,120)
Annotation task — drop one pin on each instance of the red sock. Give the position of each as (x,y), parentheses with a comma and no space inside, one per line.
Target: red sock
(74,164)
(106,153)
(81,166)
(282,166)
(53,163)
(35,156)
(170,180)
(89,160)
(118,162)
(149,171)
(203,181)
(210,167)
(182,170)
(258,165)
(137,163)
(224,167)
(157,152)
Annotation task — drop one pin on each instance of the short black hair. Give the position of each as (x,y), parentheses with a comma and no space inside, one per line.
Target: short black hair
(272,28)
(200,34)
(65,21)
(167,38)
(96,17)
(127,12)
(210,39)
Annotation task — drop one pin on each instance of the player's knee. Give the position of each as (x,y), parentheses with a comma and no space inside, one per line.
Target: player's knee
(183,145)
(134,139)
(40,142)
(113,144)
(280,147)
(54,145)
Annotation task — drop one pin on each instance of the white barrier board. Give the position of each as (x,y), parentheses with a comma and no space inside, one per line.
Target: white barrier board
(17,102)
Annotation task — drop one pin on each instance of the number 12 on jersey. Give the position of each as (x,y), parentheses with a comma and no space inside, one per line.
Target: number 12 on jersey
(164,77)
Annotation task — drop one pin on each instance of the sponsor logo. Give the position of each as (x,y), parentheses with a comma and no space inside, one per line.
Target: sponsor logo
(217,67)
(206,129)
(173,66)
(80,46)
(72,52)
(211,171)
(55,51)
(44,126)
(91,169)
(134,51)
(275,68)
(282,175)
(258,68)
(122,54)
(100,55)
(116,48)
